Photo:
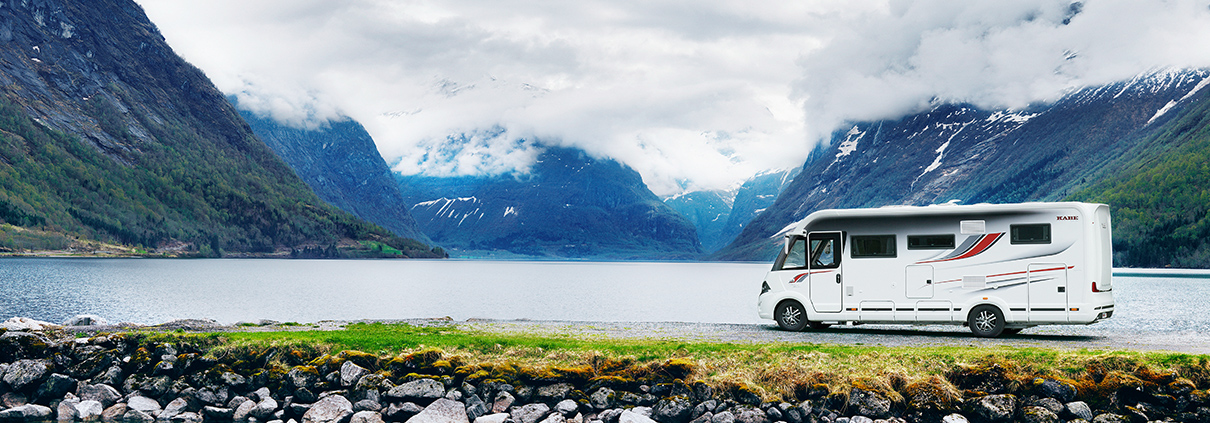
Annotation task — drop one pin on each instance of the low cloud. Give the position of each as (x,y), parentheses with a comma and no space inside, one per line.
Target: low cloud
(694,96)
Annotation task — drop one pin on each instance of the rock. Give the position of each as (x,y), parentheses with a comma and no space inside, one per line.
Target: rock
(672,410)
(243,410)
(188,417)
(442,411)
(136,416)
(144,404)
(28,324)
(994,408)
(954,418)
(401,411)
(773,414)
(366,416)
(554,393)
(101,392)
(305,377)
(13,399)
(115,412)
(869,403)
(89,411)
(366,405)
(1059,390)
(860,419)
(1110,418)
(723,417)
(629,416)
(530,413)
(66,410)
(174,409)
(1036,414)
(305,395)
(217,413)
(646,411)
(602,399)
(350,373)
(703,418)
(554,418)
(493,418)
(55,387)
(25,372)
(503,401)
(1078,410)
(475,407)
(85,320)
(329,409)
(28,412)
(233,380)
(420,389)
(264,409)
(1050,404)
(567,408)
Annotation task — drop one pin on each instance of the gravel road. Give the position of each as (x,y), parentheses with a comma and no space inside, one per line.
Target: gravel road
(1096,336)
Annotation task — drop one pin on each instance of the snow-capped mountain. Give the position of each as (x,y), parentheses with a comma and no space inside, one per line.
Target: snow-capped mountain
(720,215)
(959,152)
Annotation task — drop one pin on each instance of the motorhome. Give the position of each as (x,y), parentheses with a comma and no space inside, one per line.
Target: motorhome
(997,268)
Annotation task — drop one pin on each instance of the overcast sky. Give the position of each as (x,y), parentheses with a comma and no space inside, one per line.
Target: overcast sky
(696,94)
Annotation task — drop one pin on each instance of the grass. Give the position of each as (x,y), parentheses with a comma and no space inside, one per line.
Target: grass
(772,370)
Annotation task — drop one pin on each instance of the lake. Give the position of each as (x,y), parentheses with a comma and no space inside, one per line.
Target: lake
(153,291)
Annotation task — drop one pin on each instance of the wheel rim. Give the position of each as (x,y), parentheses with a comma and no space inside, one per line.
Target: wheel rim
(985,321)
(792,316)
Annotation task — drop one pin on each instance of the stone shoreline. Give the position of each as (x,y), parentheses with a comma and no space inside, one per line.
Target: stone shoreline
(53,375)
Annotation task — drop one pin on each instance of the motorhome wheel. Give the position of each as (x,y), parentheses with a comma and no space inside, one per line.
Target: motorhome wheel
(986,321)
(791,316)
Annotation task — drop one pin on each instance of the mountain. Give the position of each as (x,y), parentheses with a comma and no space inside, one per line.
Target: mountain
(721,215)
(107,135)
(340,162)
(959,152)
(569,205)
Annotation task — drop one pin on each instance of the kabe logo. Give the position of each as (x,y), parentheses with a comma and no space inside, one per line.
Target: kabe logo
(1069,217)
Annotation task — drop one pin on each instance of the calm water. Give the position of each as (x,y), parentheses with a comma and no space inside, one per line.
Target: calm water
(155,291)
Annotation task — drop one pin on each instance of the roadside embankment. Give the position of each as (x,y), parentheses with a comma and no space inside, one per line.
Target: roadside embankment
(438,373)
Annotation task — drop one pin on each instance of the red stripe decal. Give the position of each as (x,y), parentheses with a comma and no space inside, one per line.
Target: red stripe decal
(984,243)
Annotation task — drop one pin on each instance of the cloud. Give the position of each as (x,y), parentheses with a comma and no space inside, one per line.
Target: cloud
(693,95)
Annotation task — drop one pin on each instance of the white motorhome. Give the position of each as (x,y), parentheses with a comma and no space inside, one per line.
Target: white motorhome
(998,268)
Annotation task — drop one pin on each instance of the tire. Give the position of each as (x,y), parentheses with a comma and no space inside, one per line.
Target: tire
(819,325)
(791,316)
(986,321)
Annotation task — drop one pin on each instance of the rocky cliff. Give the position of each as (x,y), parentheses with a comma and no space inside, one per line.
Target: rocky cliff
(105,133)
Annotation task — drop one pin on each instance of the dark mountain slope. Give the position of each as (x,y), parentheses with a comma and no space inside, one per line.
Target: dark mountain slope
(107,134)
(720,216)
(340,162)
(570,205)
(957,152)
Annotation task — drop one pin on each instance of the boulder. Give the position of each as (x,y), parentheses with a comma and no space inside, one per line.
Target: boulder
(305,377)
(1078,410)
(530,413)
(994,408)
(28,324)
(1050,404)
(954,418)
(13,399)
(554,393)
(85,320)
(554,418)
(475,407)
(706,417)
(329,409)
(174,408)
(750,415)
(89,411)
(503,401)
(567,408)
(420,389)
(1059,390)
(136,416)
(398,412)
(723,417)
(101,392)
(869,403)
(672,410)
(211,412)
(263,411)
(24,373)
(629,416)
(602,399)
(66,410)
(244,410)
(27,412)
(442,411)
(350,373)
(367,405)
(860,419)
(55,386)
(144,404)
(492,418)
(114,412)
(189,417)
(366,416)
(1110,418)
(1035,414)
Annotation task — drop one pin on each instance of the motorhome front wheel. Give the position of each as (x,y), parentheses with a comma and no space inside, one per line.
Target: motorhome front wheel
(791,316)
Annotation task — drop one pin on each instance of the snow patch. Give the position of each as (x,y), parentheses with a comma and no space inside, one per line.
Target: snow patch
(850,143)
(1010,117)
(1161,111)
(510,210)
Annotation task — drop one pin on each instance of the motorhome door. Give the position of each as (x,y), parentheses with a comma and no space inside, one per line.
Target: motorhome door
(824,262)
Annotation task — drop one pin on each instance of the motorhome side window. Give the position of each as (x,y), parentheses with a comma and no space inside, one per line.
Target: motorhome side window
(797,257)
(869,246)
(930,242)
(1030,234)
(825,251)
